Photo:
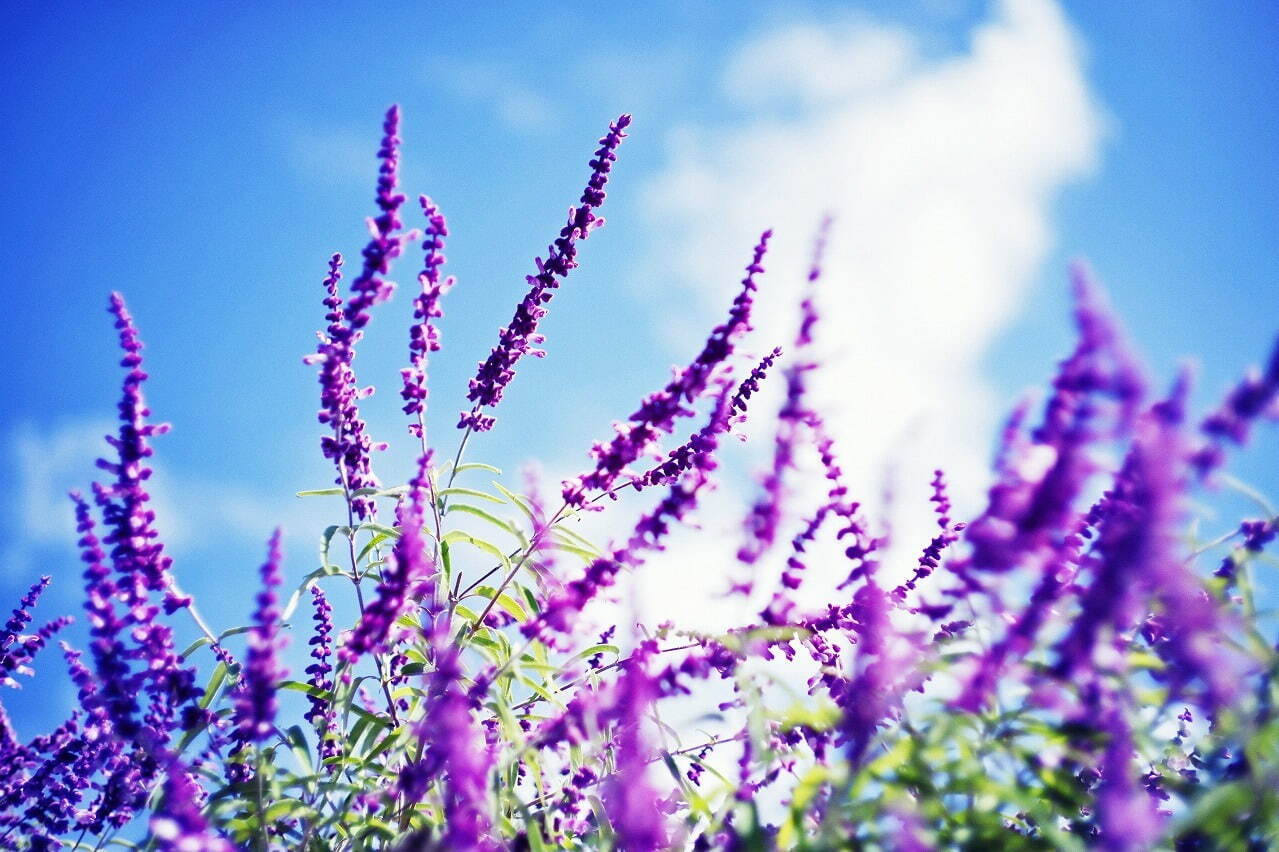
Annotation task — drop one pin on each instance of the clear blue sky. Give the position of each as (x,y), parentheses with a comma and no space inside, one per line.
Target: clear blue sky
(206,161)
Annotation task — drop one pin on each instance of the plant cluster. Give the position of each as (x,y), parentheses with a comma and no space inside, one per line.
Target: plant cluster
(1054,672)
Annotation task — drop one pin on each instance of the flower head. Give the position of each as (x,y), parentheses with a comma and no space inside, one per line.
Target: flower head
(424,337)
(255,704)
(658,412)
(520,337)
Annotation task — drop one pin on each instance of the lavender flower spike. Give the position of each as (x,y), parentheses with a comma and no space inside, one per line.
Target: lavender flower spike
(370,288)
(1254,396)
(696,451)
(323,713)
(658,412)
(349,445)
(135,546)
(405,569)
(255,704)
(632,803)
(17,649)
(520,338)
(424,336)
(178,825)
(765,514)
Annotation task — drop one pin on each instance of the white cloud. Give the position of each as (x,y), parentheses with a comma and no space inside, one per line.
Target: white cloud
(817,65)
(514,104)
(193,514)
(941,175)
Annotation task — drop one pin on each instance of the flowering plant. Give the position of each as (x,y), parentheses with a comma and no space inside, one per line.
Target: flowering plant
(1054,672)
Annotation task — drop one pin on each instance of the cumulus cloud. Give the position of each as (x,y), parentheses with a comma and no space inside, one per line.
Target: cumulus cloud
(194,514)
(515,105)
(941,173)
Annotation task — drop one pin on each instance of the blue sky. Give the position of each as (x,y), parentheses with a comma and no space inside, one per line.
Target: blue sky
(205,162)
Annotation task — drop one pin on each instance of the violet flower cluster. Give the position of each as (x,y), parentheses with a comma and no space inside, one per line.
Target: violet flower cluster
(255,703)
(658,412)
(520,337)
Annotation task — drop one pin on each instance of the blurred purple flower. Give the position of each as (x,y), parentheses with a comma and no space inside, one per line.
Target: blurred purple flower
(255,704)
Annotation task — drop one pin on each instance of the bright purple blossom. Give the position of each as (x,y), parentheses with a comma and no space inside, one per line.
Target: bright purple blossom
(141,570)
(424,337)
(386,237)
(255,704)
(563,607)
(18,649)
(930,559)
(136,550)
(405,569)
(796,413)
(1033,502)
(323,713)
(658,412)
(632,803)
(1128,819)
(456,752)
(520,338)
(349,445)
(1136,561)
(1256,535)
(697,451)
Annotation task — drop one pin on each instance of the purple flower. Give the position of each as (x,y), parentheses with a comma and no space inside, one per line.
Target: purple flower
(657,413)
(698,450)
(1232,422)
(255,704)
(631,802)
(1097,393)
(807,310)
(18,649)
(931,557)
(424,337)
(520,338)
(404,572)
(349,445)
(323,714)
(1256,535)
(455,751)
(562,608)
(178,825)
(141,570)
(1136,561)
(135,546)
(792,577)
(1128,818)
(386,241)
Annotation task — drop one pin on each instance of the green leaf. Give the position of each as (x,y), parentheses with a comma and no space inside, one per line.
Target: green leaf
(300,748)
(504,600)
(479,543)
(596,649)
(392,491)
(464,467)
(504,525)
(470,492)
(321,492)
(519,501)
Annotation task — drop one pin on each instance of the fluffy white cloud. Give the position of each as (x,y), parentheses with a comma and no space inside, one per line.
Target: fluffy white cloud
(194,514)
(941,174)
